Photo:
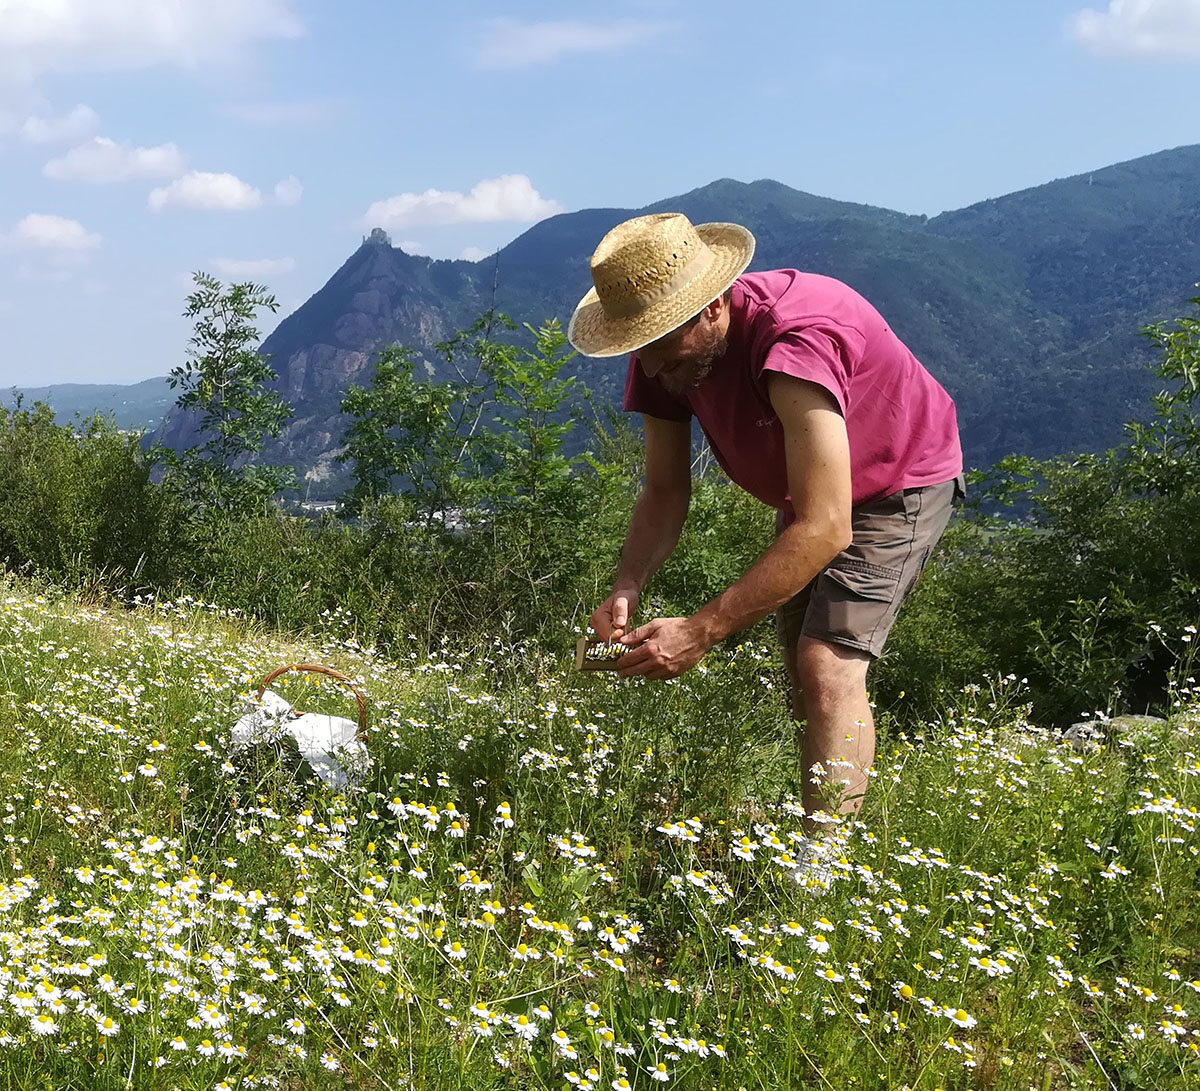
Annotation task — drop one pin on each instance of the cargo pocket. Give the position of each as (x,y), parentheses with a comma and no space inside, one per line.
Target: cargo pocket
(852,602)
(865,580)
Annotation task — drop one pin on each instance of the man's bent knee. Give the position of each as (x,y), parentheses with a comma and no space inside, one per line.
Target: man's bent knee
(824,671)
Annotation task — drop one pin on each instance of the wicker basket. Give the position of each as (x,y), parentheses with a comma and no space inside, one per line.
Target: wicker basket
(317,668)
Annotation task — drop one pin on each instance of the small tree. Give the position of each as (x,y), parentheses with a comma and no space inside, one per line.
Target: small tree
(534,498)
(401,432)
(494,441)
(425,437)
(527,464)
(224,382)
(1162,453)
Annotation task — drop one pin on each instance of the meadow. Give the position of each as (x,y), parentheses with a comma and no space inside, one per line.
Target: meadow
(562,880)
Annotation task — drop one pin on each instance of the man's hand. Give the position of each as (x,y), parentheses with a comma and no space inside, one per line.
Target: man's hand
(663,648)
(611,619)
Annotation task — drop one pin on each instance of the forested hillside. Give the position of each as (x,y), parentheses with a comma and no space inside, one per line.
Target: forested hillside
(1027,307)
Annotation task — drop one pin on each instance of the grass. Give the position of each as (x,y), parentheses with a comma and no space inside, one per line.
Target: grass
(556,880)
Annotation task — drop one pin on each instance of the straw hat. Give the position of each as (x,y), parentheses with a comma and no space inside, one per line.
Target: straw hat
(651,274)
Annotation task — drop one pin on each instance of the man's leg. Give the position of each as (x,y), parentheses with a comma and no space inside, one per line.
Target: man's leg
(834,627)
(835,728)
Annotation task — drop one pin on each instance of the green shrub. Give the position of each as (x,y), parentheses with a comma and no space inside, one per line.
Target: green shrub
(1075,592)
(77,504)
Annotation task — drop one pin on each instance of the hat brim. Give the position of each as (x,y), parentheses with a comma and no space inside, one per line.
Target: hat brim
(594,333)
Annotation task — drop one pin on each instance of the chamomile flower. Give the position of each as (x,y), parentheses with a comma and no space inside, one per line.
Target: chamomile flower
(524,1027)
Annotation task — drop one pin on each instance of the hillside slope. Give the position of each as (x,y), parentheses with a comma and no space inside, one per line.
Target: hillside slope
(1026,307)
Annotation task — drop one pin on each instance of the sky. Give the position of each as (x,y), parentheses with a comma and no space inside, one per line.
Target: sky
(144,140)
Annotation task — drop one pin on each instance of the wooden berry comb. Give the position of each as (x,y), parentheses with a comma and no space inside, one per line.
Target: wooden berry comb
(597,655)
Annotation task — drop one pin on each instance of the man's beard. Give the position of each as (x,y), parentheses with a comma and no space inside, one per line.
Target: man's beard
(682,379)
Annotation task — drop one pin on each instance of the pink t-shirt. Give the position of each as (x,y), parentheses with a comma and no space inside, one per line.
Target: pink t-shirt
(901,424)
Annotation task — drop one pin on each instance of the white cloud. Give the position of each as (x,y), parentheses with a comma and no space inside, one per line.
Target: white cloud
(288,191)
(510,198)
(74,125)
(1140,28)
(474,253)
(104,160)
(204,191)
(298,112)
(260,267)
(412,246)
(40,231)
(510,43)
(68,36)
(58,248)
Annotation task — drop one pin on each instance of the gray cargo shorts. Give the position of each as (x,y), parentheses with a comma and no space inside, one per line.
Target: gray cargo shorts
(854,600)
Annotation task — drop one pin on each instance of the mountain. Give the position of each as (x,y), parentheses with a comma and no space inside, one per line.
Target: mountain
(1027,307)
(138,406)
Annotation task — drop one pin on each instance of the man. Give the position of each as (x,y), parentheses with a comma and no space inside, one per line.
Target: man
(812,404)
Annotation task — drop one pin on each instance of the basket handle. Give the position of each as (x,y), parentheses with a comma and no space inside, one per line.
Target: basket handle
(318,668)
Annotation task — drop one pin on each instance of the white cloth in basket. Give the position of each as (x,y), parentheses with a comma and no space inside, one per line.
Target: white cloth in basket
(330,744)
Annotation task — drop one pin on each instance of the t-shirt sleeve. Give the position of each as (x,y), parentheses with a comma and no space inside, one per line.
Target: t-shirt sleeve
(644,395)
(817,354)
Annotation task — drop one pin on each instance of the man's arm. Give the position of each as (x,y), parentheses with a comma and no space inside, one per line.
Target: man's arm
(818,469)
(654,527)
